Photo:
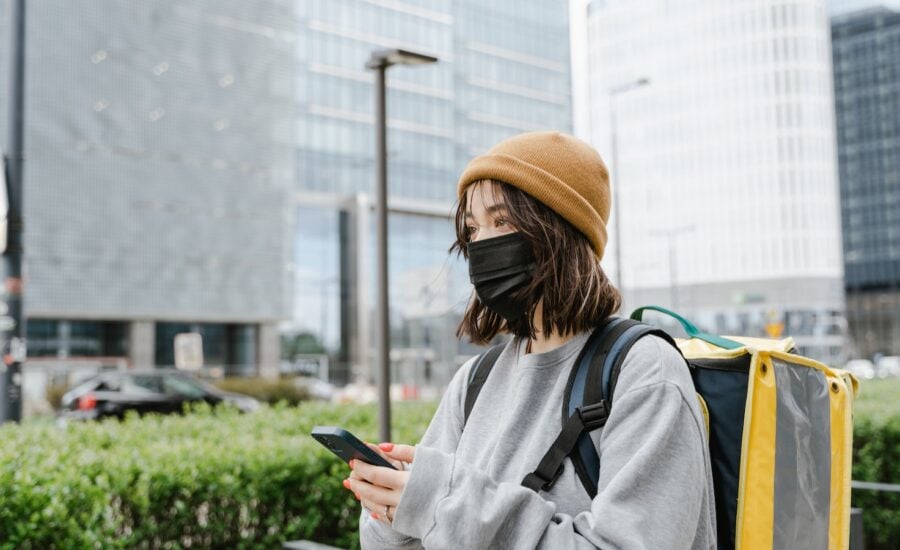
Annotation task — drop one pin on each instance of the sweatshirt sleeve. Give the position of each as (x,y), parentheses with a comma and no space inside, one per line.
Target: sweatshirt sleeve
(442,434)
(652,477)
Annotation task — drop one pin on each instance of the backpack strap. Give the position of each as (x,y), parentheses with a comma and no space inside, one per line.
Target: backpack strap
(588,403)
(480,371)
(579,420)
(590,368)
(600,388)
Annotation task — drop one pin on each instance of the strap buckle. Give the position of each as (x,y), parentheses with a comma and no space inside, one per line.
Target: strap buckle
(536,482)
(594,416)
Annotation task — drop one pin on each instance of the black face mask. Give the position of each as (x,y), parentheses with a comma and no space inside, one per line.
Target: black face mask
(498,267)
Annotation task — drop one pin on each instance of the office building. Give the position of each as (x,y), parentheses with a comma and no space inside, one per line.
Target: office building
(866,46)
(726,169)
(159,162)
(503,69)
(210,167)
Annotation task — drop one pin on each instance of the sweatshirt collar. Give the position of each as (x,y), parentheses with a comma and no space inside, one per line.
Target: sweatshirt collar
(552,357)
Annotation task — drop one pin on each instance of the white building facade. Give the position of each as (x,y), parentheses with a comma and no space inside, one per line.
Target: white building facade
(725,163)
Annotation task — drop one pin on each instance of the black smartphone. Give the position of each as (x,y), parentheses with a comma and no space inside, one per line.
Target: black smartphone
(346,446)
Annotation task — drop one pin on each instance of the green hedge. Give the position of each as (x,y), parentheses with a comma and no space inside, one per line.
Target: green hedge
(213,478)
(876,458)
(219,478)
(267,390)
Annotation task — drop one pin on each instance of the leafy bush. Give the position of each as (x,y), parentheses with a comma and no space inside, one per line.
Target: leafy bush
(212,478)
(876,457)
(267,390)
(219,478)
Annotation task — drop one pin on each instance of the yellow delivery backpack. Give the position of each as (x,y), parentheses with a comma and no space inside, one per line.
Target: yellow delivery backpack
(780,438)
(779,431)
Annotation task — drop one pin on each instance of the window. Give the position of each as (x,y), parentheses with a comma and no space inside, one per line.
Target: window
(146,385)
(177,385)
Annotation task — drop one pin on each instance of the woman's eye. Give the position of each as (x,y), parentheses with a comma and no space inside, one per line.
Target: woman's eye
(500,222)
(471,230)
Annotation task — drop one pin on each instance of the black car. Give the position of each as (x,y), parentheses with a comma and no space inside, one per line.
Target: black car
(163,391)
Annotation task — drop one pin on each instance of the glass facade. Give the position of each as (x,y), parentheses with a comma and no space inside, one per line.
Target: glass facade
(503,70)
(53,338)
(229,346)
(866,49)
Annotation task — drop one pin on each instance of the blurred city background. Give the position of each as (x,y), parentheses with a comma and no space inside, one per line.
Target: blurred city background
(208,167)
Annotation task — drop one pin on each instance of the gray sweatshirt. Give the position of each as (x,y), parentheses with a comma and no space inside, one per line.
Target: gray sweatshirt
(464,491)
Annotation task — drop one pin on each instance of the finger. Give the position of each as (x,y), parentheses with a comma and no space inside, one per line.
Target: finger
(377,449)
(354,471)
(381,452)
(404,453)
(378,475)
(374,497)
(375,511)
(346,484)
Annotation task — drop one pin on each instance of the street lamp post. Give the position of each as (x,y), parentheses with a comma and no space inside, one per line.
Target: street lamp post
(672,235)
(614,152)
(14,338)
(380,62)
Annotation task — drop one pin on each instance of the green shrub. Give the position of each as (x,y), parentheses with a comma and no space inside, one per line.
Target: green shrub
(219,478)
(267,390)
(212,478)
(876,457)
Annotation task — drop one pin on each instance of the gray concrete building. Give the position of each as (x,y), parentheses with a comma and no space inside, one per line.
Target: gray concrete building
(160,158)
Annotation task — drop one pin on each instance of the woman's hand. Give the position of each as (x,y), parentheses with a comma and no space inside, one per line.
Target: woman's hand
(379,489)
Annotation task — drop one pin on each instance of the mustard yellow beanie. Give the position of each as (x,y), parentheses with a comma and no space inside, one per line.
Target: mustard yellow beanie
(559,170)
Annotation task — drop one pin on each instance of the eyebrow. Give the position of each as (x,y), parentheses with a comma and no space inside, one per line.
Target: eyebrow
(490,210)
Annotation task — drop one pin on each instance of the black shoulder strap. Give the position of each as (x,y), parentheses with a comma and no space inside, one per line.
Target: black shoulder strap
(576,420)
(480,371)
(588,403)
(587,375)
(600,389)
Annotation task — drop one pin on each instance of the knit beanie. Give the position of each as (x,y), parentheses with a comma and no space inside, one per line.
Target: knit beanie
(561,171)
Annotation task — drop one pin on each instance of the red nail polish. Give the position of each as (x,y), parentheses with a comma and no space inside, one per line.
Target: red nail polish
(351,463)
(386,446)
(346,484)
(375,516)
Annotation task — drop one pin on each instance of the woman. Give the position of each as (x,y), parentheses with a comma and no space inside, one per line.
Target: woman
(531,220)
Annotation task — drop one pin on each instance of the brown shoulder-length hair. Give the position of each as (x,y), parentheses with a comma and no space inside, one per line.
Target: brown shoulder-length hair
(568,280)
